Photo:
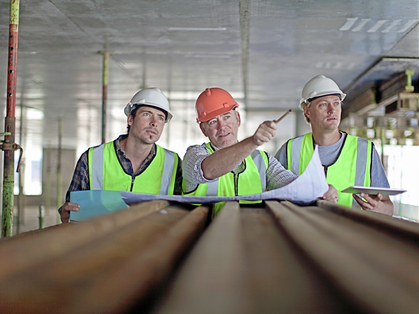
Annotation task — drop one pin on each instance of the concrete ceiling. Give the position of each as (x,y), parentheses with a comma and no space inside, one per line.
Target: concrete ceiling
(261,51)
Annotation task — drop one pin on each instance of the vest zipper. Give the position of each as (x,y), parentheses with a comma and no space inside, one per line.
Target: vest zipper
(236,184)
(132,183)
(236,179)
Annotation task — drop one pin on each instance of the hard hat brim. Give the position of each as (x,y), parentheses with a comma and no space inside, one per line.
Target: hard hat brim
(302,100)
(216,113)
(133,106)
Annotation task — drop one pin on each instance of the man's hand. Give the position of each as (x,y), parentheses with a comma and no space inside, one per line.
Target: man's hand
(264,133)
(66,209)
(331,195)
(375,203)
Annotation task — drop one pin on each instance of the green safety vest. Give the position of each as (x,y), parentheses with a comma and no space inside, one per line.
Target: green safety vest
(106,172)
(251,181)
(352,167)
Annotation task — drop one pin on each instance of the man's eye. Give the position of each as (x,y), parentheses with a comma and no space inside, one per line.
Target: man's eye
(211,122)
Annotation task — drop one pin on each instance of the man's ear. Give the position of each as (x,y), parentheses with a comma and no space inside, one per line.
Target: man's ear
(238,117)
(306,111)
(203,130)
(130,119)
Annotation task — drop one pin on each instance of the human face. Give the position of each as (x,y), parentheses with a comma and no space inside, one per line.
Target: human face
(222,130)
(147,125)
(324,113)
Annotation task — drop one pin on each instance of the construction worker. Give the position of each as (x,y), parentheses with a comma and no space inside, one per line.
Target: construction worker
(347,160)
(132,162)
(224,166)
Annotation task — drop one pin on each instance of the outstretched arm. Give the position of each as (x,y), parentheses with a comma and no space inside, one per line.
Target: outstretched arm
(226,159)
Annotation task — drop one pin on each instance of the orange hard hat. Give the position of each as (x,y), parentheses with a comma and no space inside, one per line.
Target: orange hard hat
(213,102)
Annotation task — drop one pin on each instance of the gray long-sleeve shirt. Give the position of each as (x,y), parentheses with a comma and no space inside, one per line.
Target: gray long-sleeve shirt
(276,175)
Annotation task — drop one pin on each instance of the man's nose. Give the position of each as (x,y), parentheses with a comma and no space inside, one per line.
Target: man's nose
(153,121)
(221,123)
(331,108)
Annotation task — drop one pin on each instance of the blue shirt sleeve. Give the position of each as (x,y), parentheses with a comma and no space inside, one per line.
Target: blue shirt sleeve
(378,175)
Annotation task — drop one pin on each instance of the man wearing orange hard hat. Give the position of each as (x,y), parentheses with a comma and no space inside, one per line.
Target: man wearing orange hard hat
(225,166)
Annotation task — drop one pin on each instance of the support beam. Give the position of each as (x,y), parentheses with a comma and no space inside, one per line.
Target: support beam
(10,120)
(105,70)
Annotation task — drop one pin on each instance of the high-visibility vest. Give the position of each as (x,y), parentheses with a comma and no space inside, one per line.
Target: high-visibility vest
(106,172)
(352,167)
(251,181)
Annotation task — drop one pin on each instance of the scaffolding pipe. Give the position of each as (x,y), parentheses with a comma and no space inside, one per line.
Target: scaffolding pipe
(48,180)
(41,217)
(10,120)
(59,174)
(20,207)
(104,93)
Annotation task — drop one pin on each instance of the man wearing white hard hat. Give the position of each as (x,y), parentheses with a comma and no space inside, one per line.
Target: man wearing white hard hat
(133,162)
(347,160)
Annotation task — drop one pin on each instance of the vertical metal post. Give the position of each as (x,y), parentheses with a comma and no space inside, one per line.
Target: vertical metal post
(104,93)
(59,175)
(382,137)
(9,158)
(20,213)
(47,190)
(41,217)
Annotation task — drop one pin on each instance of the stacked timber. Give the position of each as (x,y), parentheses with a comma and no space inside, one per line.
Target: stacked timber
(160,257)
(107,265)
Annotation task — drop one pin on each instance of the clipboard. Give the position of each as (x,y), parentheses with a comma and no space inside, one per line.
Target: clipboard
(372,190)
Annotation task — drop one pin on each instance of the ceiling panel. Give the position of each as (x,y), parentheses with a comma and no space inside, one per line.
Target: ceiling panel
(261,51)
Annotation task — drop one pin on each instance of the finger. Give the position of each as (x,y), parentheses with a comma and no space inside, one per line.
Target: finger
(268,126)
(73,207)
(271,125)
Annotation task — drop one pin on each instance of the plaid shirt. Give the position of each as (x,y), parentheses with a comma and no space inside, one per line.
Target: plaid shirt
(80,180)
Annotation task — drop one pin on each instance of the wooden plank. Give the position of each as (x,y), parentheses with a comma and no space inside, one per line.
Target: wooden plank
(390,225)
(213,278)
(374,271)
(243,264)
(24,252)
(109,274)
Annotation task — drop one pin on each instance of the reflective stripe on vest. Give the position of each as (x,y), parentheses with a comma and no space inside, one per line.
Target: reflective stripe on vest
(166,176)
(169,161)
(97,169)
(353,166)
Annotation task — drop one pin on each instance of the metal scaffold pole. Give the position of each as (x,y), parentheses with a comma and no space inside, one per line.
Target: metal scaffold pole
(9,145)
(104,93)
(59,173)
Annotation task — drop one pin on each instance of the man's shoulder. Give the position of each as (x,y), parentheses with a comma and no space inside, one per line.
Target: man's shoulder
(167,150)
(359,139)
(195,147)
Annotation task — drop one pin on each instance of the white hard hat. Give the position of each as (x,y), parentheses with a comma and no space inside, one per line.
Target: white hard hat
(319,86)
(150,97)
